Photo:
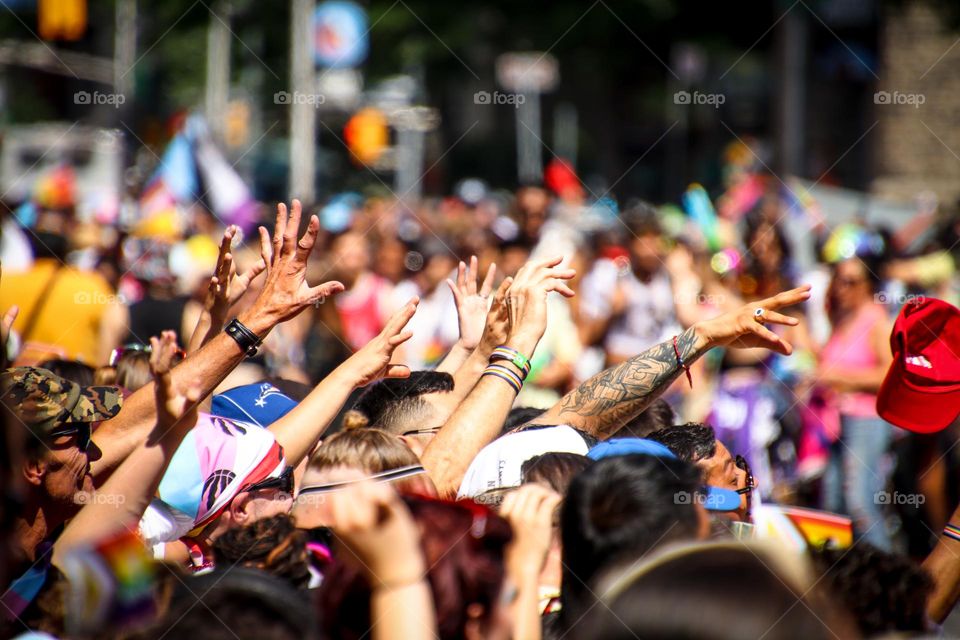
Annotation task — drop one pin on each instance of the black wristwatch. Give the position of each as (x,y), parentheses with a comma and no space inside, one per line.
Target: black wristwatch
(248,340)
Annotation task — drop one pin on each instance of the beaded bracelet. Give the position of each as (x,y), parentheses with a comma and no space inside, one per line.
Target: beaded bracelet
(505,374)
(512,356)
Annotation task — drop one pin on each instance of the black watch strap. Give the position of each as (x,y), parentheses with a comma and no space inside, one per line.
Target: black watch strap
(248,340)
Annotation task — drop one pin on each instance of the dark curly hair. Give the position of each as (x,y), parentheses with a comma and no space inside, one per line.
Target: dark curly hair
(274,545)
(658,415)
(691,442)
(555,469)
(883,592)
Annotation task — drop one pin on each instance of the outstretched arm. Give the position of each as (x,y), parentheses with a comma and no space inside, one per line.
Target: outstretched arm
(299,430)
(472,307)
(468,357)
(602,404)
(285,294)
(121,501)
(225,288)
(520,313)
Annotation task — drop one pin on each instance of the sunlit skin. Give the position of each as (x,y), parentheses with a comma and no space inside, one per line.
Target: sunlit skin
(68,471)
(721,471)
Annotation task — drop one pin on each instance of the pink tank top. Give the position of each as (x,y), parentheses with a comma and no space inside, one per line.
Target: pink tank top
(359,309)
(851,348)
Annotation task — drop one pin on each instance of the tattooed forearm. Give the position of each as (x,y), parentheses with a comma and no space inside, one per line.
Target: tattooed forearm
(603,403)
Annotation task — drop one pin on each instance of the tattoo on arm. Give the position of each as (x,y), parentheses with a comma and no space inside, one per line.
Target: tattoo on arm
(603,403)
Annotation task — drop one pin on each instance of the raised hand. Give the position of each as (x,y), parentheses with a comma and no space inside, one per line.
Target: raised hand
(472,304)
(496,330)
(372,361)
(226,287)
(176,408)
(527,300)
(739,329)
(530,511)
(286,291)
(374,525)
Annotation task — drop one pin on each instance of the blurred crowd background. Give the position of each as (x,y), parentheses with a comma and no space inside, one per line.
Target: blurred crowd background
(684,160)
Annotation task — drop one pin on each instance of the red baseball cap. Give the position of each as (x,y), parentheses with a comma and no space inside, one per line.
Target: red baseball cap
(922,389)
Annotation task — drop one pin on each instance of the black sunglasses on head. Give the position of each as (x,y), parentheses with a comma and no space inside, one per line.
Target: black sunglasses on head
(79,429)
(283,482)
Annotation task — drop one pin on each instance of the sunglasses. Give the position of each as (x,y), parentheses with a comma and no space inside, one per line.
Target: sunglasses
(392,475)
(742,464)
(79,429)
(421,432)
(117,354)
(283,482)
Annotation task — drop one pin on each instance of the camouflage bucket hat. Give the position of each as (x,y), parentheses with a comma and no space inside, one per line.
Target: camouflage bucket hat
(44,400)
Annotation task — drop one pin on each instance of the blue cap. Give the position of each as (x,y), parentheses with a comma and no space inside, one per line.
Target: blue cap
(260,403)
(717,499)
(629,446)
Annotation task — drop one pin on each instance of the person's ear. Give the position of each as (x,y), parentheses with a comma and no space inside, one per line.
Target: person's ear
(34,470)
(413,444)
(240,509)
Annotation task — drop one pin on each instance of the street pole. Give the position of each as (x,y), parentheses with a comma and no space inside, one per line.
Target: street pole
(303,113)
(529,155)
(125,48)
(218,68)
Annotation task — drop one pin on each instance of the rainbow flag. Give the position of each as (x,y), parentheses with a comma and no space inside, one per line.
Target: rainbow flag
(111,581)
(821,527)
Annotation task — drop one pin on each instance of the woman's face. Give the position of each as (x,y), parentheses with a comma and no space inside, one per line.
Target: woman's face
(766,248)
(850,286)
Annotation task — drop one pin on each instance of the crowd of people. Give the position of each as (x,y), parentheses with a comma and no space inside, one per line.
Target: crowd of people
(491,415)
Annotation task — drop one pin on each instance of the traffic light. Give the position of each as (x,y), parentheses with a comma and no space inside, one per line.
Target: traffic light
(367,135)
(62,19)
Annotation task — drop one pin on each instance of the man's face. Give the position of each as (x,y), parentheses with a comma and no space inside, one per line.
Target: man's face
(721,471)
(437,269)
(67,471)
(647,250)
(266,503)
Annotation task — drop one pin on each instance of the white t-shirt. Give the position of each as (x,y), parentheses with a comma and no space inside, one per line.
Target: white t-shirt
(435,325)
(650,317)
(498,464)
(162,523)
